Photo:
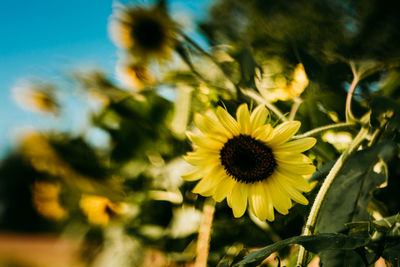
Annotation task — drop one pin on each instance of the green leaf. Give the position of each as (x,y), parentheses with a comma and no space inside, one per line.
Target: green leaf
(348,197)
(315,244)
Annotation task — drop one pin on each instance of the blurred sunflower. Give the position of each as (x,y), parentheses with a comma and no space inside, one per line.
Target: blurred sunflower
(100,210)
(45,198)
(37,98)
(274,86)
(134,76)
(249,162)
(145,33)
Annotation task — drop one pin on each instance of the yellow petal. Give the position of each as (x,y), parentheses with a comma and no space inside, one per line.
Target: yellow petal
(223,188)
(263,133)
(239,199)
(292,158)
(297,145)
(294,179)
(257,201)
(293,193)
(299,169)
(269,203)
(243,117)
(258,117)
(193,174)
(201,158)
(229,123)
(280,200)
(284,132)
(207,185)
(205,142)
(209,126)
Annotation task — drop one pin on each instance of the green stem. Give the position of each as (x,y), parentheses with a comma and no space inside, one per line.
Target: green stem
(258,98)
(295,107)
(325,128)
(203,240)
(312,218)
(349,114)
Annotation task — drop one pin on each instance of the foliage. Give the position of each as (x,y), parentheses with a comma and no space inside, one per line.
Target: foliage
(115,187)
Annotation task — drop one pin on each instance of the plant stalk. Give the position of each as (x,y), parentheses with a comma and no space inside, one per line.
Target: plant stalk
(312,218)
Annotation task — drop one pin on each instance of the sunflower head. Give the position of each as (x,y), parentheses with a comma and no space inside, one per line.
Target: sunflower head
(100,210)
(45,199)
(134,76)
(145,33)
(38,98)
(248,162)
(274,86)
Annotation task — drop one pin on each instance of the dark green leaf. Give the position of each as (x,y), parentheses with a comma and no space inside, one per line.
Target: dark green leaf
(315,244)
(348,196)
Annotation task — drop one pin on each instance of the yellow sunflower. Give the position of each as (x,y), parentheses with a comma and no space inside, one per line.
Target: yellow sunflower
(145,33)
(134,76)
(273,86)
(100,210)
(249,162)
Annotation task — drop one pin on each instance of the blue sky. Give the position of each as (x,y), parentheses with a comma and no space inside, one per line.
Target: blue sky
(49,39)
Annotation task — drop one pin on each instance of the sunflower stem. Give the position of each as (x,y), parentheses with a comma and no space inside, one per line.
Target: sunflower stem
(203,241)
(312,218)
(258,98)
(349,114)
(325,128)
(295,107)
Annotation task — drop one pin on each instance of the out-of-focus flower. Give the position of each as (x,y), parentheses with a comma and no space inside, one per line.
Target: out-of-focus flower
(37,98)
(274,86)
(145,33)
(100,210)
(133,76)
(37,149)
(340,140)
(45,198)
(249,162)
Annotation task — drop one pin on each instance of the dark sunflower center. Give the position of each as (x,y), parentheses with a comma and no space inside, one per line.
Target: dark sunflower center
(246,159)
(148,33)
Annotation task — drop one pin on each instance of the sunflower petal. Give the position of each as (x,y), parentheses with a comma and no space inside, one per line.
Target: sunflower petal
(296,180)
(243,117)
(258,117)
(284,132)
(223,188)
(269,203)
(193,174)
(293,193)
(205,142)
(263,133)
(229,123)
(292,158)
(280,200)
(208,126)
(207,185)
(298,169)
(300,145)
(257,201)
(239,199)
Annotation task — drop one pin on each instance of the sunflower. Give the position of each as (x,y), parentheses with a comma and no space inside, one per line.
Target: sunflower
(145,33)
(134,76)
(38,98)
(100,210)
(274,86)
(249,162)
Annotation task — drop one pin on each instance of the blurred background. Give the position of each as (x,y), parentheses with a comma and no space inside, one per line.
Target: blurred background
(92,127)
